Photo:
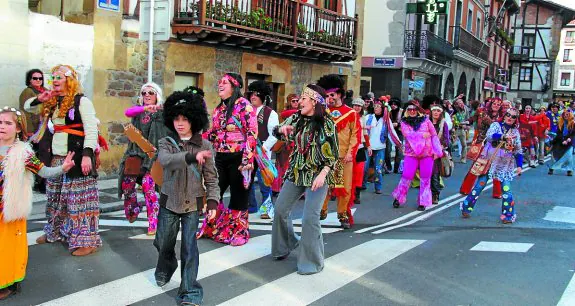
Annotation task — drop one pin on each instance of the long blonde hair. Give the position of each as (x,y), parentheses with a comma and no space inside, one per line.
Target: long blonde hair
(570,121)
(72,89)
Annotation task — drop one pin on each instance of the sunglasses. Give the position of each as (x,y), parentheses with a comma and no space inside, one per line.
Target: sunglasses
(294,101)
(37,79)
(331,94)
(148,93)
(410,108)
(511,116)
(57,77)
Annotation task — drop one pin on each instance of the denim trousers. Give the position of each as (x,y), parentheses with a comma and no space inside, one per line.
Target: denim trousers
(284,239)
(165,242)
(378,160)
(266,192)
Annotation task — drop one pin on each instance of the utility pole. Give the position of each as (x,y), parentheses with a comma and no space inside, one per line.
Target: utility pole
(151,42)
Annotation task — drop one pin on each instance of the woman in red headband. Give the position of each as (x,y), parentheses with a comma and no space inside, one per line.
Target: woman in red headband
(233,135)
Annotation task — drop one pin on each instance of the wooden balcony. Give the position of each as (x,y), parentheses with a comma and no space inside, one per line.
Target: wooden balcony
(286,27)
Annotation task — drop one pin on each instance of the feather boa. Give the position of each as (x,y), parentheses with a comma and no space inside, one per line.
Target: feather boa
(17,194)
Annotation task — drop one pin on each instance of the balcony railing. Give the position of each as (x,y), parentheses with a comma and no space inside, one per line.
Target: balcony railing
(426,45)
(467,42)
(286,26)
(520,53)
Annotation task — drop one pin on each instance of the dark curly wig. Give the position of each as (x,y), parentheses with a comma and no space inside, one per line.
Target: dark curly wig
(188,105)
(332,81)
(262,89)
(194,90)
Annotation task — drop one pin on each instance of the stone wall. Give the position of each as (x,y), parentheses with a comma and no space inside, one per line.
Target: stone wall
(127,83)
(301,76)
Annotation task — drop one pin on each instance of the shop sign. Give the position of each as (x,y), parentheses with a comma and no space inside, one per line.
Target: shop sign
(384,62)
(487,85)
(501,88)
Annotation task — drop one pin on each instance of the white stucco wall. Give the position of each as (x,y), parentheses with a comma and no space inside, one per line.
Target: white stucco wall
(53,42)
(13,49)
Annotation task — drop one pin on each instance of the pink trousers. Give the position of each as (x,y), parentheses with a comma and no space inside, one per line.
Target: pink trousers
(410,166)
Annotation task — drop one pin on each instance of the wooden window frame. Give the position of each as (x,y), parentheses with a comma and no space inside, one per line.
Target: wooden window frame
(521,76)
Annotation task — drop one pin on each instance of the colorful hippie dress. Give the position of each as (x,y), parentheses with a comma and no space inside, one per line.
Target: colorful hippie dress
(17,167)
(73,208)
(503,166)
(313,151)
(421,148)
(235,146)
(152,127)
(484,121)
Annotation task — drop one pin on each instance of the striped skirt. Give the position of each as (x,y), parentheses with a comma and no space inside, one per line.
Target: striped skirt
(72,210)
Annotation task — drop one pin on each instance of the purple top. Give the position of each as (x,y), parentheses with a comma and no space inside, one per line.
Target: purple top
(134,111)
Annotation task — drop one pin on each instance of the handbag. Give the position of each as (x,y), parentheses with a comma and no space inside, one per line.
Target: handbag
(278,146)
(446,165)
(132,165)
(475,150)
(481,165)
(361,155)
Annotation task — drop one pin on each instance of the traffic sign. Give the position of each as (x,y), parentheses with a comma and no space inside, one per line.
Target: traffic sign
(110,5)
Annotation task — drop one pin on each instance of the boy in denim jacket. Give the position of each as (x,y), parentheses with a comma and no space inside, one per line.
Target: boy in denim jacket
(189,176)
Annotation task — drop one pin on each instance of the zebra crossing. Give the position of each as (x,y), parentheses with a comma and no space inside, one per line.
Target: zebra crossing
(343,266)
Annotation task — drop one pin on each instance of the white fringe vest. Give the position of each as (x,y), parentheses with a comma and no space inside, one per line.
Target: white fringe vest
(17,191)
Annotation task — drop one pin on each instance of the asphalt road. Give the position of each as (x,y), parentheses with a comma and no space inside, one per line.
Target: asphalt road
(391,256)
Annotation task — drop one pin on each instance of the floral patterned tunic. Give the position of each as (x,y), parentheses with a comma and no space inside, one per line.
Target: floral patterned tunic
(312,151)
(506,160)
(227,137)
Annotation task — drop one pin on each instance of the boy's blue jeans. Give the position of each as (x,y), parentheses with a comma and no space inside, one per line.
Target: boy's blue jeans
(165,242)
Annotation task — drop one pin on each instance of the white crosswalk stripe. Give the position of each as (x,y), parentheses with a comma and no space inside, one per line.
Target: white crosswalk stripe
(121,291)
(339,270)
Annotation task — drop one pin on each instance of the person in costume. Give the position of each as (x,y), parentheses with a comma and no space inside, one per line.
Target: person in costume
(543,126)
(484,117)
(363,152)
(506,161)
(348,137)
(310,172)
(380,128)
(17,168)
(438,120)
(421,148)
(73,218)
(260,97)
(234,136)
(553,115)
(461,126)
(282,157)
(528,126)
(34,87)
(147,117)
(395,116)
(563,144)
(190,175)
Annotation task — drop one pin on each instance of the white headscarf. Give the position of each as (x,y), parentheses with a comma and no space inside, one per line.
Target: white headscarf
(155,87)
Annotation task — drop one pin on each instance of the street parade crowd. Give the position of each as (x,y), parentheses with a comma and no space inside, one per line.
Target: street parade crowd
(325,145)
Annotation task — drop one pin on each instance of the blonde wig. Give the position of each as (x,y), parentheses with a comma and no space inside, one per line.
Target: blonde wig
(73,88)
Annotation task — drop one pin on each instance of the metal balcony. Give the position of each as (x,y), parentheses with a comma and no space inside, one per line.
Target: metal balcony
(426,45)
(467,42)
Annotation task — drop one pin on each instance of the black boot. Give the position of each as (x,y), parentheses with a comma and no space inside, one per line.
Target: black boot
(395,203)
(357,199)
(435,199)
